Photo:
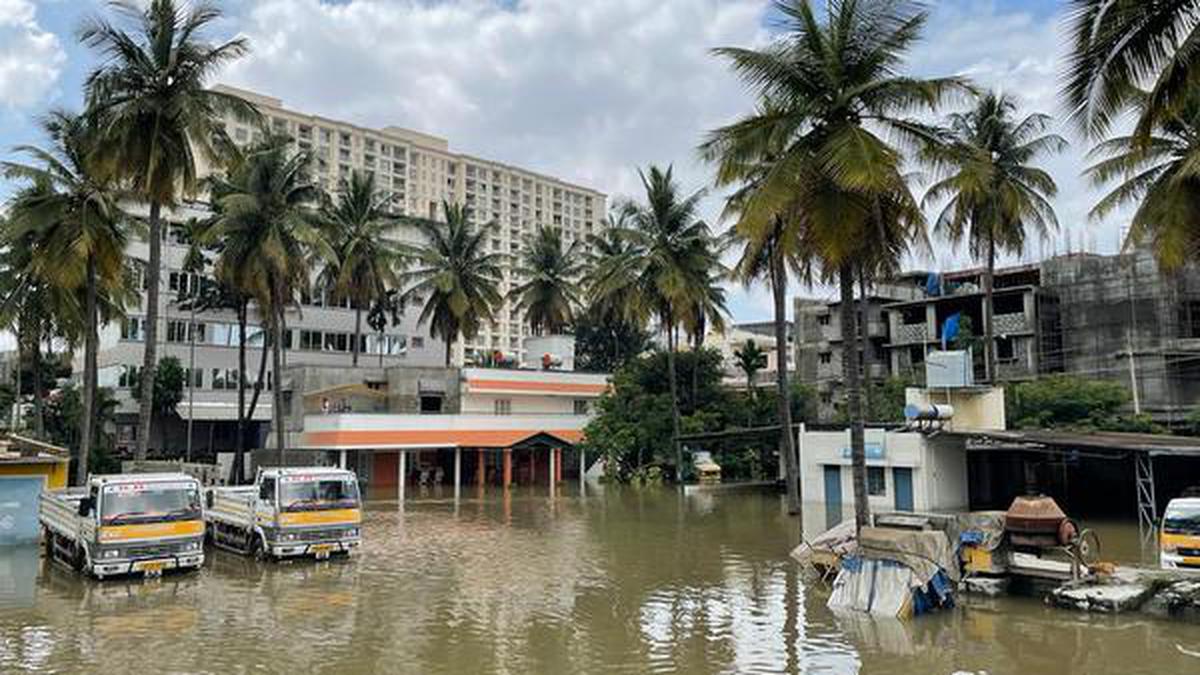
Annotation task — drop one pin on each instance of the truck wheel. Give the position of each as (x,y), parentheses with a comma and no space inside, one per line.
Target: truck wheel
(48,543)
(78,558)
(256,548)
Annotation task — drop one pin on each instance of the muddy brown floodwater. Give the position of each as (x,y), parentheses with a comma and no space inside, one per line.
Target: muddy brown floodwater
(616,582)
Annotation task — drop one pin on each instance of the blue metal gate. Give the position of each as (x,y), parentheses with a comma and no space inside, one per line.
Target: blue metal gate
(902,477)
(833,495)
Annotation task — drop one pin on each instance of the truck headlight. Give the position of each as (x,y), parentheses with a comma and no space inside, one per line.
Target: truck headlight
(352,532)
(191,546)
(288,536)
(110,554)
(1169,548)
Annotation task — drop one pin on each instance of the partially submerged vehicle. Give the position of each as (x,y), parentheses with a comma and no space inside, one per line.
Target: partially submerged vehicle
(295,512)
(1179,538)
(125,524)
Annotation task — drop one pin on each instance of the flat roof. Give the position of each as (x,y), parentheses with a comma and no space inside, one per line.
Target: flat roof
(1154,444)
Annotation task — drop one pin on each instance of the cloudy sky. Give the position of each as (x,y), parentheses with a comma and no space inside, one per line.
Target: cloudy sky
(585,89)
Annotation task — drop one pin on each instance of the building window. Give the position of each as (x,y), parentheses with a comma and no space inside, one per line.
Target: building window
(128,379)
(581,407)
(418,342)
(1006,349)
(826,357)
(431,404)
(823,319)
(502,406)
(132,329)
(876,482)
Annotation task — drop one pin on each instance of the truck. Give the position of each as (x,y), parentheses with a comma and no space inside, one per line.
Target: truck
(288,513)
(124,524)
(1179,538)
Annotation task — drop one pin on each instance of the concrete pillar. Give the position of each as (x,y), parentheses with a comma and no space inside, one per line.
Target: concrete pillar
(402,462)
(507,467)
(558,454)
(550,469)
(582,463)
(480,467)
(341,459)
(457,473)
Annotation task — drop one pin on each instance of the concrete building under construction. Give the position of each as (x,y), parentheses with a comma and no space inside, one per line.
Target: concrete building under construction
(1116,317)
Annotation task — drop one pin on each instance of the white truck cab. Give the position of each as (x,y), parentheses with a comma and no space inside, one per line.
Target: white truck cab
(1179,537)
(292,512)
(126,524)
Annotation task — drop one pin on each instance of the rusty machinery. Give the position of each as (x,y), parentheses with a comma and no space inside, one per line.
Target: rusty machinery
(1037,525)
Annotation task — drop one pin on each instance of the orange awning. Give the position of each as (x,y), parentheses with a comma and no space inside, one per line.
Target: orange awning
(435,438)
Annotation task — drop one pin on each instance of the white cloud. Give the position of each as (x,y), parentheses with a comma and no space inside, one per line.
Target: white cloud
(30,57)
(591,90)
(587,91)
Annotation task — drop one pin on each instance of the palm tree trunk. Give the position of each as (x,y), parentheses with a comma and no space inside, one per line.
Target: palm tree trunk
(239,453)
(150,342)
(39,415)
(357,333)
(87,415)
(277,388)
(674,401)
(864,341)
(787,445)
(696,341)
(854,409)
(989,346)
(449,344)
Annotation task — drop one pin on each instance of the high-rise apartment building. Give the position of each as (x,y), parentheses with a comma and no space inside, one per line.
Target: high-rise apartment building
(421,172)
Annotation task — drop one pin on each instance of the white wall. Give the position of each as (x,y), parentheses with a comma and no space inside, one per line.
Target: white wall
(939,468)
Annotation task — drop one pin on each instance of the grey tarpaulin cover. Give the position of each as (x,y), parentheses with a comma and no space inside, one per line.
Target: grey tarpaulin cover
(925,552)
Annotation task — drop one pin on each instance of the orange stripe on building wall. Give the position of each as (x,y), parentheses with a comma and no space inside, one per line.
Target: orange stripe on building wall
(496,438)
(534,385)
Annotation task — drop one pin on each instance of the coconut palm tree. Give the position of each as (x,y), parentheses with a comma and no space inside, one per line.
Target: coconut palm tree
(71,223)
(1121,47)
(268,234)
(458,279)
(831,119)
(1159,176)
(666,269)
(360,229)
(750,359)
(549,294)
(992,192)
(708,311)
(157,119)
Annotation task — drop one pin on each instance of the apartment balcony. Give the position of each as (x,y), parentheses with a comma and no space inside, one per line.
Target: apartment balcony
(911,333)
(1005,324)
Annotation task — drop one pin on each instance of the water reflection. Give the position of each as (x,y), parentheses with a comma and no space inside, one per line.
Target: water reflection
(624,581)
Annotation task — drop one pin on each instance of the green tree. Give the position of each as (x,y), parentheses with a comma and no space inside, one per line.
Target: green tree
(156,118)
(169,380)
(1068,401)
(458,279)
(992,192)
(266,227)
(1160,178)
(366,257)
(1120,46)
(665,267)
(71,225)
(550,293)
(604,345)
(829,96)
(750,359)
(64,410)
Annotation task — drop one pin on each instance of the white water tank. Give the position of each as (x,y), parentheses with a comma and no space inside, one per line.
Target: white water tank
(949,369)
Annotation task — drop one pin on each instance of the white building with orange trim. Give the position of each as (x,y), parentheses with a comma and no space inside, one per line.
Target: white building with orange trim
(445,427)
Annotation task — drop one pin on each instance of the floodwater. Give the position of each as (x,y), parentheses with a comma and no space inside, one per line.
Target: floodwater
(620,581)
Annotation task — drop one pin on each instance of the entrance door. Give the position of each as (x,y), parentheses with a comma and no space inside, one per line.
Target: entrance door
(902,477)
(833,495)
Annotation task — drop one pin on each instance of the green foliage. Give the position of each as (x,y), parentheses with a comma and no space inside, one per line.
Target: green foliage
(63,411)
(1067,401)
(750,359)
(550,293)
(170,379)
(632,426)
(605,344)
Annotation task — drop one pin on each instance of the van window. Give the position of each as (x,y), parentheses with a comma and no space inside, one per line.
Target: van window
(266,490)
(1182,519)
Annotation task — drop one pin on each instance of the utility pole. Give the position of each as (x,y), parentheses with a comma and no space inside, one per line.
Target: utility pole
(191,373)
(1133,383)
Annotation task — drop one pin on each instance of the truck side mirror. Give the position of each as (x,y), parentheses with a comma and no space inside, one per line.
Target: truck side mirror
(85,507)
(208,499)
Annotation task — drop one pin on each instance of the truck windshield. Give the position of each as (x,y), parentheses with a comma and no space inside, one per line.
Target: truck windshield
(316,494)
(1182,520)
(149,502)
